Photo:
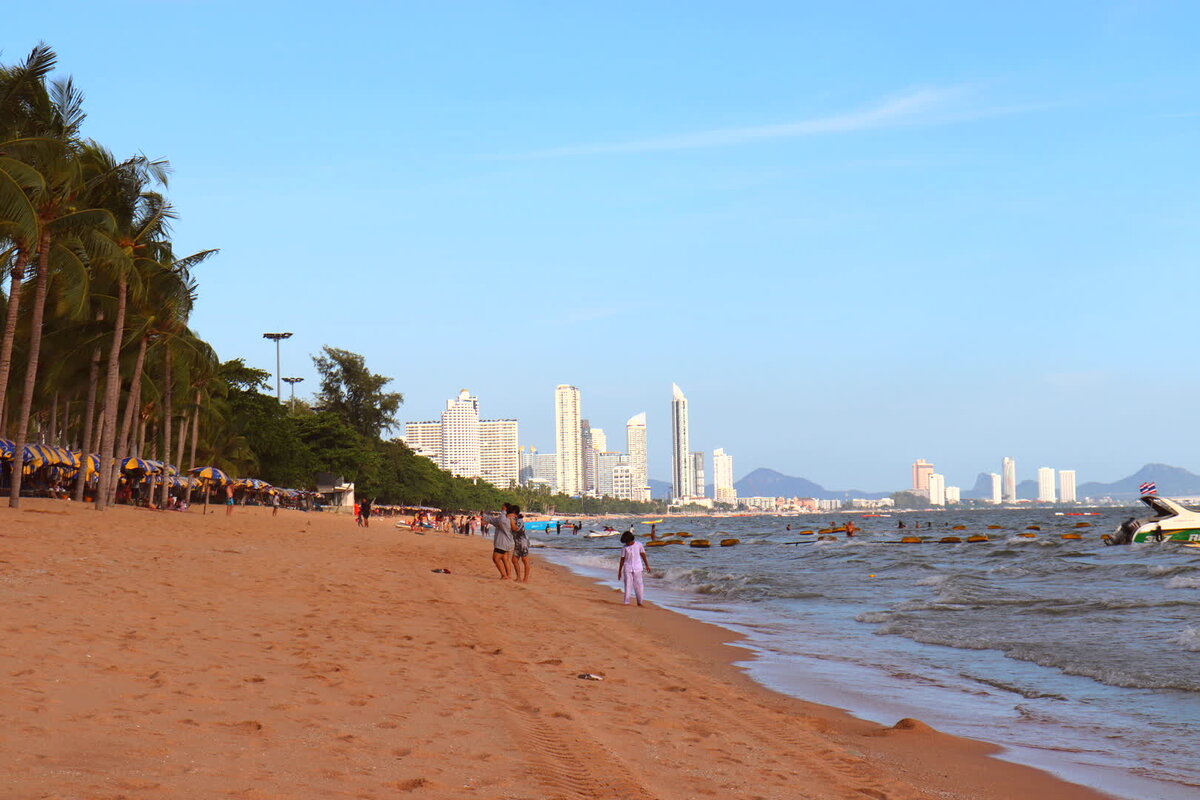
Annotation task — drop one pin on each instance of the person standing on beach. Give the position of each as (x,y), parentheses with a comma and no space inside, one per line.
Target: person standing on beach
(364,512)
(229,499)
(632,567)
(274,505)
(502,541)
(520,555)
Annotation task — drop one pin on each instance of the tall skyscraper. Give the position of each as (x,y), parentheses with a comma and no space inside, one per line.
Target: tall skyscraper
(605,464)
(589,457)
(498,461)
(1008,471)
(723,491)
(635,444)
(681,465)
(1045,478)
(698,480)
(1066,486)
(921,470)
(937,489)
(460,436)
(568,438)
(995,488)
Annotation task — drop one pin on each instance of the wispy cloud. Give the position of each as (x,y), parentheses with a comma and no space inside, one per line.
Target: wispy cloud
(925,106)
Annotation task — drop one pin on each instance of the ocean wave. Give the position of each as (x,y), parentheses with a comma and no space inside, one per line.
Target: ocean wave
(1190,639)
(1183,582)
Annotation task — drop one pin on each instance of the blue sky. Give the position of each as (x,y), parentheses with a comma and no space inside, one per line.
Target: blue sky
(854,234)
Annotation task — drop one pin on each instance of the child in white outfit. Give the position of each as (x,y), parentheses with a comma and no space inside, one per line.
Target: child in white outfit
(633,565)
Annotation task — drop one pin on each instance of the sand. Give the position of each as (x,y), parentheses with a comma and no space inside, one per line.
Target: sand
(177,655)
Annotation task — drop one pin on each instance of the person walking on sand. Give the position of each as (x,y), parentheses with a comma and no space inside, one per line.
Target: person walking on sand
(520,554)
(502,541)
(632,567)
(229,499)
(364,512)
(274,505)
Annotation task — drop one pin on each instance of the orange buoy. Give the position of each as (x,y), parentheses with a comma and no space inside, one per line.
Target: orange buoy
(1072,536)
(699,543)
(911,540)
(730,542)
(950,540)
(979,537)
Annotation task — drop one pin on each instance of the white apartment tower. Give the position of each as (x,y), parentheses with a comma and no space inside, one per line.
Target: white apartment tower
(425,439)
(1045,478)
(624,484)
(568,438)
(937,489)
(635,444)
(921,470)
(460,436)
(1008,471)
(953,495)
(995,488)
(723,491)
(1066,486)
(681,465)
(499,463)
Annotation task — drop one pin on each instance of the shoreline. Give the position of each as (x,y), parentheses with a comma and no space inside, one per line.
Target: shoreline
(162,654)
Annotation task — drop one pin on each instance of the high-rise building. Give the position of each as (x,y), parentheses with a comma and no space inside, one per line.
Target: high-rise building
(464,445)
(937,489)
(723,491)
(1045,478)
(953,495)
(635,445)
(589,457)
(681,465)
(605,464)
(460,436)
(1066,486)
(624,487)
(995,488)
(498,461)
(568,437)
(698,488)
(599,440)
(538,469)
(921,470)
(425,439)
(1008,471)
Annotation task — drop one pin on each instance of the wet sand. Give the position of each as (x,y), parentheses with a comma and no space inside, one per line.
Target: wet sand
(181,655)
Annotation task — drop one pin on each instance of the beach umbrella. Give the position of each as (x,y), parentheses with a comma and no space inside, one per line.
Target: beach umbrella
(34,456)
(7,448)
(130,464)
(169,469)
(254,483)
(209,474)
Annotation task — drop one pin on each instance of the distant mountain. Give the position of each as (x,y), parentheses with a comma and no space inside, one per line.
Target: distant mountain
(764,482)
(1171,481)
(982,490)
(660,490)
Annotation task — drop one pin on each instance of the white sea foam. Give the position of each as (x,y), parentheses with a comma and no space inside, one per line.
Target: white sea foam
(1183,582)
(932,580)
(1189,638)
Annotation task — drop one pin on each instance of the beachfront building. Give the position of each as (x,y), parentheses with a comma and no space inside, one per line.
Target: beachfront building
(1008,472)
(698,488)
(606,463)
(681,464)
(464,445)
(635,445)
(568,438)
(594,443)
(953,495)
(921,470)
(757,503)
(995,488)
(937,489)
(1066,486)
(623,487)
(498,462)
(1045,480)
(723,491)
(425,439)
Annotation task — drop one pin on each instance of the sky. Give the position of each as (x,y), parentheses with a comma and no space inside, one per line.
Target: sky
(855,234)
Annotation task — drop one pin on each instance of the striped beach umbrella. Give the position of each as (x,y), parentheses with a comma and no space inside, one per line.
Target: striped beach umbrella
(7,448)
(209,474)
(254,484)
(130,464)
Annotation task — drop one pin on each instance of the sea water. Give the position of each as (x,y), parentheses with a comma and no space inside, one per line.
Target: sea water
(1075,657)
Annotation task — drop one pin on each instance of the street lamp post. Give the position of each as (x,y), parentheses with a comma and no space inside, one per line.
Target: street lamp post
(292,382)
(277,337)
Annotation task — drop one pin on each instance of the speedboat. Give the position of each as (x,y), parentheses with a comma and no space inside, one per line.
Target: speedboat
(1169,522)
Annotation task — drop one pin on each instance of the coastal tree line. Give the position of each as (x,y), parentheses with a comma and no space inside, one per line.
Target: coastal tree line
(97,354)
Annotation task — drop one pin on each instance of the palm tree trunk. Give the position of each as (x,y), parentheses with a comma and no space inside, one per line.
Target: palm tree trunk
(85,438)
(31,368)
(195,429)
(166,421)
(10,331)
(52,432)
(112,396)
(134,400)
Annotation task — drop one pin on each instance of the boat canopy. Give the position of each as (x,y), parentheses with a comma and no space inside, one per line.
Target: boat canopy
(1162,507)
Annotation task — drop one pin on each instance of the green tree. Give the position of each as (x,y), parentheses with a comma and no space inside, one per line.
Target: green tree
(354,393)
